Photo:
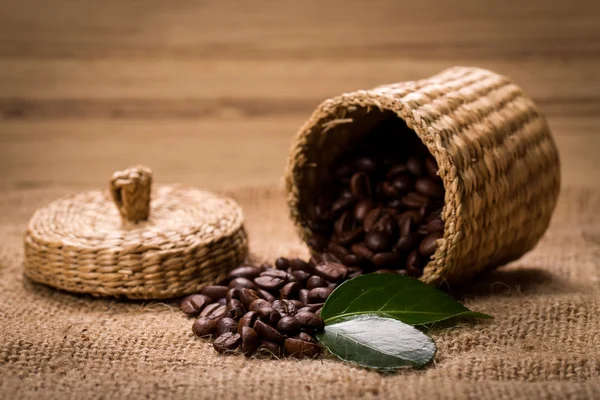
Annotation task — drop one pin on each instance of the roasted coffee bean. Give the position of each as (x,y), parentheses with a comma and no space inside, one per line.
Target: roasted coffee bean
(403,183)
(250,341)
(341,205)
(387,259)
(362,208)
(333,272)
(247,296)
(315,281)
(407,226)
(290,290)
(247,320)
(318,241)
(303,296)
(378,241)
(226,324)
(232,294)
(342,171)
(350,260)
(348,237)
(241,283)
(414,200)
(354,274)
(428,245)
(227,342)
(222,301)
(267,332)
(289,325)
(343,223)
(300,276)
(263,294)
(413,263)
(360,185)
(318,295)
(215,292)
(257,304)
(372,218)
(270,348)
(414,214)
(431,167)
(204,326)
(218,312)
(282,263)
(283,308)
(245,271)
(366,164)
(295,303)
(434,214)
(209,309)
(311,307)
(332,286)
(269,315)
(299,264)
(299,348)
(362,251)
(235,309)
(384,271)
(270,282)
(429,187)
(435,225)
(310,320)
(389,189)
(415,165)
(407,243)
(337,250)
(305,336)
(328,257)
(192,305)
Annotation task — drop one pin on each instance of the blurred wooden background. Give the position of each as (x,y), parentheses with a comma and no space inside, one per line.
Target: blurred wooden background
(211,92)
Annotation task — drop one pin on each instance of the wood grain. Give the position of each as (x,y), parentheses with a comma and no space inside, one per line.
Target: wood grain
(210,92)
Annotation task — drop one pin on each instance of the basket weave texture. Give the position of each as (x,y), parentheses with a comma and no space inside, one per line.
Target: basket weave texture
(496,157)
(156,243)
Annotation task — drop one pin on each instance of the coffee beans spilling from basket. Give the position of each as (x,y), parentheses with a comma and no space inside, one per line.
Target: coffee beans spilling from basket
(266,310)
(382,210)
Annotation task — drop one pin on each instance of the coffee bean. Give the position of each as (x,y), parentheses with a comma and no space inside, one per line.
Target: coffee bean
(415,165)
(209,309)
(350,260)
(235,309)
(362,208)
(222,301)
(431,167)
(318,295)
(218,312)
(344,223)
(332,286)
(387,259)
(288,325)
(299,264)
(354,274)
(384,271)
(267,332)
(257,304)
(284,307)
(247,296)
(232,294)
(245,271)
(318,241)
(366,164)
(337,250)
(305,336)
(250,341)
(226,324)
(310,320)
(247,320)
(413,264)
(403,183)
(328,257)
(341,205)
(378,241)
(429,187)
(414,200)
(315,281)
(269,315)
(333,272)
(192,305)
(362,251)
(407,226)
(241,283)
(414,214)
(428,244)
(303,296)
(227,342)
(300,276)
(360,185)
(299,348)
(215,292)
(269,282)
(435,225)
(348,237)
(408,242)
(372,218)
(290,290)
(266,295)
(389,189)
(270,348)
(313,308)
(204,326)
(342,171)
(295,303)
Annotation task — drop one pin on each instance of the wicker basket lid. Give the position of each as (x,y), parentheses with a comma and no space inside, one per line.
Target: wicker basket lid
(156,243)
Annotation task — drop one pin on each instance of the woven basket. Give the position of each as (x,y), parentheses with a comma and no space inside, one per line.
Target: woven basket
(496,157)
(171,246)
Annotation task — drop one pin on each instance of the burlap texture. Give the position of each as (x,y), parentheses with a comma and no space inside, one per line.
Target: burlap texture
(543,343)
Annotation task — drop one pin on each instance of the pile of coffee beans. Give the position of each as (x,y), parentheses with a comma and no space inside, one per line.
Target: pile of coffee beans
(382,209)
(268,310)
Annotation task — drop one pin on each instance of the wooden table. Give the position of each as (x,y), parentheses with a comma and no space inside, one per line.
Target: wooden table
(211,92)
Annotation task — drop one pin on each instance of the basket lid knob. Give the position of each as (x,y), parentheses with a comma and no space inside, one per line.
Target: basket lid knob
(130,190)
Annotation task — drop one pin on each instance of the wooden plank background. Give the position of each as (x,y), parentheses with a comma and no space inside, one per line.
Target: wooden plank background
(210,92)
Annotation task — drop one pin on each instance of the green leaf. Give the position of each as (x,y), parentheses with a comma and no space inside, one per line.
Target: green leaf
(375,342)
(394,296)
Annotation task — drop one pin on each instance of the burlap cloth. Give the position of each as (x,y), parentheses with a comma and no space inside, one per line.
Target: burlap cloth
(543,343)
